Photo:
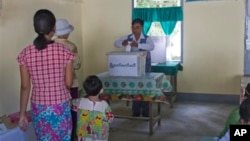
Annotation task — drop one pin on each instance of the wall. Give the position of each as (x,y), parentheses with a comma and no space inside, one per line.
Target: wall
(103,22)
(213,47)
(16,31)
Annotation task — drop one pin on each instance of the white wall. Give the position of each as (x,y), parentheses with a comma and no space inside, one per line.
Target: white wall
(16,31)
(213,47)
(103,22)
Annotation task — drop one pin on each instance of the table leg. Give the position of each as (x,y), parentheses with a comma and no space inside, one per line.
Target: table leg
(150,119)
(127,103)
(173,80)
(159,112)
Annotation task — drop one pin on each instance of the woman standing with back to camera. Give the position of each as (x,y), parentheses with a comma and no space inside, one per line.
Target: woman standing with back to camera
(48,66)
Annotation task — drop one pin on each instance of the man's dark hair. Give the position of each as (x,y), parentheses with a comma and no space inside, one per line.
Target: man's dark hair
(92,85)
(139,21)
(245,110)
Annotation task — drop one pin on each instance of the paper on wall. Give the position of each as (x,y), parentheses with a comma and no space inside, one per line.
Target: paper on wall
(247,44)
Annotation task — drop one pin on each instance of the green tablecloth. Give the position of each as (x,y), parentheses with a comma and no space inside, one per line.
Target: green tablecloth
(168,68)
(146,88)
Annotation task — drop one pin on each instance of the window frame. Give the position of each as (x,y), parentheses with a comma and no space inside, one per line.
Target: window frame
(182,31)
(246,38)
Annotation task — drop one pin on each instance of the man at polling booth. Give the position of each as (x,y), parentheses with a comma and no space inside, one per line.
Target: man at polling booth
(137,41)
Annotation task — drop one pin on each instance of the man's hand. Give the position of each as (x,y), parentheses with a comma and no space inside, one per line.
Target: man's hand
(134,44)
(125,43)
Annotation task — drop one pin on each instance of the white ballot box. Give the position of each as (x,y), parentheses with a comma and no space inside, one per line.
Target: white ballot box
(126,63)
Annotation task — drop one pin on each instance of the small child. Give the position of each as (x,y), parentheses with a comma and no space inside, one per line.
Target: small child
(94,114)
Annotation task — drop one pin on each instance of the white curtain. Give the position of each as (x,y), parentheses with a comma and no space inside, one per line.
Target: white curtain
(158,55)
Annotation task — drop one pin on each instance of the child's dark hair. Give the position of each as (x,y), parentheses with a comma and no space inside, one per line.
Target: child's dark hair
(245,110)
(44,22)
(247,90)
(92,85)
(139,21)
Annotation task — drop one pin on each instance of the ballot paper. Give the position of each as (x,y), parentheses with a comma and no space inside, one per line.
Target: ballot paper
(128,48)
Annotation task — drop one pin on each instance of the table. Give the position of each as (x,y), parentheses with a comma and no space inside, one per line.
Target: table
(149,88)
(171,69)
(16,134)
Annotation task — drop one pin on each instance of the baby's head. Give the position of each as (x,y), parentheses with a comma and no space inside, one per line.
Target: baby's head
(245,111)
(63,28)
(92,85)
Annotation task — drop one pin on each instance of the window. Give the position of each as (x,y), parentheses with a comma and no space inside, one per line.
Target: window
(173,42)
